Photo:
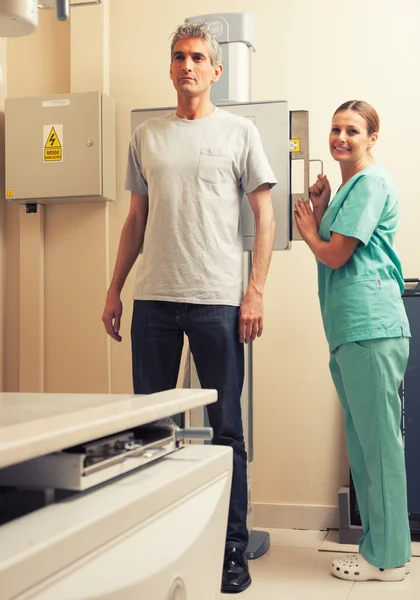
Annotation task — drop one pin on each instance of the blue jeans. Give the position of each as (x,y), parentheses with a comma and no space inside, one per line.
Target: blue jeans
(157,333)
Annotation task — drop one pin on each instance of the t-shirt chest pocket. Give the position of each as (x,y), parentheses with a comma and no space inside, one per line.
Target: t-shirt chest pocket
(214,166)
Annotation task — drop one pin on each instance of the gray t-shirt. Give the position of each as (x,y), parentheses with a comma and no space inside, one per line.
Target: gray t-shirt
(194,173)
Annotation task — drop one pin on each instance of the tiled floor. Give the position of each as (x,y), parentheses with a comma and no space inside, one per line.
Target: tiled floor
(295,569)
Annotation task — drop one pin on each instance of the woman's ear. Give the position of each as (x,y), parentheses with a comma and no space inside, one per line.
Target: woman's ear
(373,139)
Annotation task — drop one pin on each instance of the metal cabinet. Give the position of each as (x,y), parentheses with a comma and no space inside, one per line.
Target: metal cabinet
(60,148)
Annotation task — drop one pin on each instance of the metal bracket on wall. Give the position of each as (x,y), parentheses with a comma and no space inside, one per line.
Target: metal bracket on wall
(72,4)
(62,7)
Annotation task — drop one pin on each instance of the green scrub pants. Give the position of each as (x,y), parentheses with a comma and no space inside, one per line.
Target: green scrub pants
(367,376)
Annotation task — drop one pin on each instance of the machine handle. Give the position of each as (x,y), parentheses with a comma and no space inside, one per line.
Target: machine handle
(320,161)
(194,433)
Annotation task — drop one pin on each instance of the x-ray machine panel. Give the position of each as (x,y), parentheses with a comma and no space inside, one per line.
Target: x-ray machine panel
(272,122)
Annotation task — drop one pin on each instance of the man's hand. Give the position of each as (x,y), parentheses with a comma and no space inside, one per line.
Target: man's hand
(131,241)
(251,316)
(111,316)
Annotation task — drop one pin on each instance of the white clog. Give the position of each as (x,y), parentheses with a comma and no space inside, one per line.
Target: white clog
(354,567)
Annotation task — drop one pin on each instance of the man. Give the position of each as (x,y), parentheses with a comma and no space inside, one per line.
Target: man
(187,172)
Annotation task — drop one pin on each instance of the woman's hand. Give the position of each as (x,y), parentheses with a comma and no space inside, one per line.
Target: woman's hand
(305,219)
(320,192)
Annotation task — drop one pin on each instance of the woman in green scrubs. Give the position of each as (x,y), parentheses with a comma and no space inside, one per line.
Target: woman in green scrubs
(360,285)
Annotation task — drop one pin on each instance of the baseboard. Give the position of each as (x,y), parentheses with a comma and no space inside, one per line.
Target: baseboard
(294,516)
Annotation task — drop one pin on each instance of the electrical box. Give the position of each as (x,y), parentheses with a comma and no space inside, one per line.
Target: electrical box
(60,149)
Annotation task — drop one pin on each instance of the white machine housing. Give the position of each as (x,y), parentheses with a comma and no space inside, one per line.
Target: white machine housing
(18,17)
(156,532)
(272,122)
(235,32)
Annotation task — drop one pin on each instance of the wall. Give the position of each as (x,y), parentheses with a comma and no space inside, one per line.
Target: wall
(3,93)
(38,64)
(316,55)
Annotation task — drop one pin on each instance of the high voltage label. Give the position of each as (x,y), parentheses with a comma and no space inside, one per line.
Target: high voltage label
(294,145)
(53,143)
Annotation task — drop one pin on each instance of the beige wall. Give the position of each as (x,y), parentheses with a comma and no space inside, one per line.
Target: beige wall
(3,92)
(37,64)
(314,54)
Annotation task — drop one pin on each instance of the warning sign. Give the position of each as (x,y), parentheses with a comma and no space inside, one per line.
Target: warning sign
(294,145)
(53,143)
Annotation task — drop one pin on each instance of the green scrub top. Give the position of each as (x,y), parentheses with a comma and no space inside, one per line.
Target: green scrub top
(362,299)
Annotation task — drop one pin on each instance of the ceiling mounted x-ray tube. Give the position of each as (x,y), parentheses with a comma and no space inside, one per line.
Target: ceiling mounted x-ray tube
(18,17)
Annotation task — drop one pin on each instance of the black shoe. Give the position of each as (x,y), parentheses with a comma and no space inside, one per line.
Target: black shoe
(236,577)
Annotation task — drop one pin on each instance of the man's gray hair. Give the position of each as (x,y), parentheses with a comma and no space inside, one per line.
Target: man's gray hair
(198,30)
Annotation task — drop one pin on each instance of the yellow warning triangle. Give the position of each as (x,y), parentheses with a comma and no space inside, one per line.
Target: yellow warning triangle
(52,140)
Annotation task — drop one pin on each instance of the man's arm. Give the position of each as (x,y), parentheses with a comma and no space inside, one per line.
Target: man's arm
(251,313)
(131,241)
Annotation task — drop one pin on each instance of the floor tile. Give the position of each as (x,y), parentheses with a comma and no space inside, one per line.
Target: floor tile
(294,574)
(409,589)
(295,569)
